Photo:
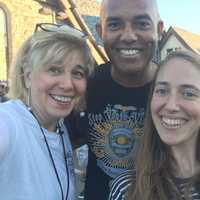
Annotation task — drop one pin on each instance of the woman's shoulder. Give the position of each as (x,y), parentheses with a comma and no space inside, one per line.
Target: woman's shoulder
(8,105)
(8,123)
(6,109)
(11,115)
(120,185)
(13,108)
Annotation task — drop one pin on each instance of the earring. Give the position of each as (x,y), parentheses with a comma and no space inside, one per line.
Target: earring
(29,97)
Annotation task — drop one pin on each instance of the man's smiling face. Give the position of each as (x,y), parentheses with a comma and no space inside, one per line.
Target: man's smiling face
(129,30)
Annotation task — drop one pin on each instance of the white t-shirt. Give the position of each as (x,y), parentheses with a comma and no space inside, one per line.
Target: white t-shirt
(26,170)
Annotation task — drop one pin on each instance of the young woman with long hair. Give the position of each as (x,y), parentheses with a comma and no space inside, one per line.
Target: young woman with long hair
(168,158)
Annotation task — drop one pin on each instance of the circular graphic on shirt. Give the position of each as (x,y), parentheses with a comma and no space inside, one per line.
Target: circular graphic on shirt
(113,138)
(121,141)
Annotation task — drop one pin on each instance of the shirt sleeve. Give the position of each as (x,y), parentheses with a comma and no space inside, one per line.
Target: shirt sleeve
(120,185)
(5,136)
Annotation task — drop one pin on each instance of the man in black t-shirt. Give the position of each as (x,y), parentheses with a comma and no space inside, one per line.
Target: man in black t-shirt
(117,91)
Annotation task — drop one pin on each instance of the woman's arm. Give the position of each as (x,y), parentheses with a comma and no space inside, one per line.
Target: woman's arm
(5,136)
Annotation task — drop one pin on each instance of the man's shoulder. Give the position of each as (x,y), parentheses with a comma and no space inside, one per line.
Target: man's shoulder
(101,72)
(99,78)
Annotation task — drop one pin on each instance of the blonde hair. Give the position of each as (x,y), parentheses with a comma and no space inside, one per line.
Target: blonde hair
(41,49)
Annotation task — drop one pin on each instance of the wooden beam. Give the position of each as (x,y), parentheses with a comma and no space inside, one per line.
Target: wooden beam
(78,22)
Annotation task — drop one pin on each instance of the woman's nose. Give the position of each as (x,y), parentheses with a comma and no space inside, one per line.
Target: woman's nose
(66,82)
(172,103)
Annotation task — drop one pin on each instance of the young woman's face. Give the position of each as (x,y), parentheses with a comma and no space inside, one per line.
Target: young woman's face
(175,105)
(57,88)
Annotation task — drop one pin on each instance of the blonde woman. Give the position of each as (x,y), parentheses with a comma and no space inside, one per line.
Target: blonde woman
(47,82)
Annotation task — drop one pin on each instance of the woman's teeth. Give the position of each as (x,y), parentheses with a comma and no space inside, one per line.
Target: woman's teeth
(172,123)
(63,99)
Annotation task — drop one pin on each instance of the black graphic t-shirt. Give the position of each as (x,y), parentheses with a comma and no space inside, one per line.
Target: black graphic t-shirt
(115,117)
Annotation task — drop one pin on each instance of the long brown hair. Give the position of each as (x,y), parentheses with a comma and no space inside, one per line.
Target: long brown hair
(155,163)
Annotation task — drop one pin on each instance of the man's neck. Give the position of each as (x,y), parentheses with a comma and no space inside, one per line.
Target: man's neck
(135,80)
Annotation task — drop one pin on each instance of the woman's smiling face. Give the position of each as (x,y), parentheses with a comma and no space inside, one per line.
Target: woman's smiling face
(175,105)
(57,88)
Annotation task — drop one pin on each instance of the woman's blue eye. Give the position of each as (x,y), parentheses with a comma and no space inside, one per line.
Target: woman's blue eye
(78,74)
(161,91)
(55,70)
(189,93)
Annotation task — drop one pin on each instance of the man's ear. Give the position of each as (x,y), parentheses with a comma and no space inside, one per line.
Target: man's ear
(160,29)
(27,77)
(99,29)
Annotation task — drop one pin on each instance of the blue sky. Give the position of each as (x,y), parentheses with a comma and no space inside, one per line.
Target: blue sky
(181,13)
